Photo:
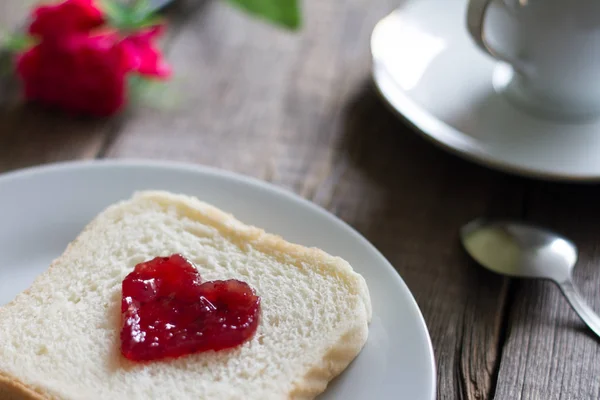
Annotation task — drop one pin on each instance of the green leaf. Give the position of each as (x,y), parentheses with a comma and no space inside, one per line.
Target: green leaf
(115,11)
(129,17)
(285,13)
(140,9)
(17,42)
(150,20)
(140,14)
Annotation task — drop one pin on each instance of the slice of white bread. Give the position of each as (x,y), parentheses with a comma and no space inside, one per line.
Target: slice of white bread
(60,338)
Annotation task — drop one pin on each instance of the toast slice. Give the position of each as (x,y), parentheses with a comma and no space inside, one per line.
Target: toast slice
(60,338)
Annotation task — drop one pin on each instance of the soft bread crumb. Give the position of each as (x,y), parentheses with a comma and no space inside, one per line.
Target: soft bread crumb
(60,338)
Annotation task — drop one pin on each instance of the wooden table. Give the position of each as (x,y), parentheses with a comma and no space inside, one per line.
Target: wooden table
(299,110)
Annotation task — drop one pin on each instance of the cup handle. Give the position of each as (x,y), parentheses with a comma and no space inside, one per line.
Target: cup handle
(476,13)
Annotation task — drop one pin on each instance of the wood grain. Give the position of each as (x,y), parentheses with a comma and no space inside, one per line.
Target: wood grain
(396,190)
(299,110)
(29,136)
(549,353)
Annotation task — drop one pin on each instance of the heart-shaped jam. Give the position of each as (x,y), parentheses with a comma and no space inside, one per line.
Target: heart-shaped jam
(168,312)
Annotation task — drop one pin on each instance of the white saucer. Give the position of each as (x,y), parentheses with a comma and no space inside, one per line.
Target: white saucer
(397,360)
(427,68)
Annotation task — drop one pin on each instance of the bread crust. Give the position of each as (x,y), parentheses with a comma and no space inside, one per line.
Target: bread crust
(317,377)
(13,389)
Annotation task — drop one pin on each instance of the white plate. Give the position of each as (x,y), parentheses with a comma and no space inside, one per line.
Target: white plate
(427,68)
(43,209)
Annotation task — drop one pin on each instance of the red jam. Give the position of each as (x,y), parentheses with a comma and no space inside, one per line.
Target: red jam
(168,312)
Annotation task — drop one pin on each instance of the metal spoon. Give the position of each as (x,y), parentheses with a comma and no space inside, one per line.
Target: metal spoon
(525,251)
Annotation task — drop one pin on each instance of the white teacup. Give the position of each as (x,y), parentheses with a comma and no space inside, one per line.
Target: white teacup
(553,47)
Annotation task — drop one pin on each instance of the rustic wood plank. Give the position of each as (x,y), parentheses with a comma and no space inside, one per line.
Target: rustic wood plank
(30,136)
(298,110)
(409,199)
(549,353)
(295,110)
(214,58)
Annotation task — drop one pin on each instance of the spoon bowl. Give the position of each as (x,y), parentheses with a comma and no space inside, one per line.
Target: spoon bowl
(519,250)
(527,251)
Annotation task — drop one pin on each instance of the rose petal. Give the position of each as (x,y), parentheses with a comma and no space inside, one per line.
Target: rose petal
(84,74)
(70,16)
(144,57)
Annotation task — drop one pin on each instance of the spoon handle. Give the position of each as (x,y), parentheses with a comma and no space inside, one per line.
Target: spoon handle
(579,305)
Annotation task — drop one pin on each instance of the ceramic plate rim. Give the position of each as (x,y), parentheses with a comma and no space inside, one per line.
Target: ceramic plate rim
(436,130)
(57,167)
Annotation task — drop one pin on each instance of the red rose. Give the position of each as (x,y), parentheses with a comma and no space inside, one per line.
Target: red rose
(84,74)
(80,66)
(146,59)
(71,16)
